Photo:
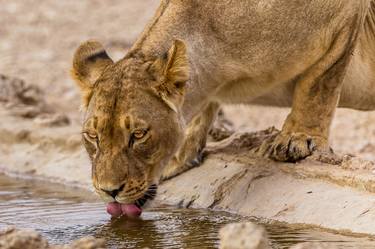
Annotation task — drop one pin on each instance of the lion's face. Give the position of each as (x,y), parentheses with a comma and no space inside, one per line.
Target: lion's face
(132,125)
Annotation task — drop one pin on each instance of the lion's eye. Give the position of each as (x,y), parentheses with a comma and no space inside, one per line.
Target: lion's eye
(90,136)
(139,134)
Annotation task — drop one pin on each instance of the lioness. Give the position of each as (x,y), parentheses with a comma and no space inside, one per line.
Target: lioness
(147,115)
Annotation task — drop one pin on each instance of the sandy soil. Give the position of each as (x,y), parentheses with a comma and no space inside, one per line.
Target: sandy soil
(37,40)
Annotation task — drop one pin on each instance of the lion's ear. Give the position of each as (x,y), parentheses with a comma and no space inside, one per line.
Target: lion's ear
(175,73)
(176,70)
(89,62)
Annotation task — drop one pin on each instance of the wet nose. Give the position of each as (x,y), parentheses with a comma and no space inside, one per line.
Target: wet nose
(113,192)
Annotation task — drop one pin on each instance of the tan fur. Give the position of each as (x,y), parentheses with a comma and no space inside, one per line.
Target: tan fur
(122,101)
(195,54)
(90,60)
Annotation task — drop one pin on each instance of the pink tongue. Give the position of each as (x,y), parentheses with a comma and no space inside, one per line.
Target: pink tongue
(131,210)
(116,209)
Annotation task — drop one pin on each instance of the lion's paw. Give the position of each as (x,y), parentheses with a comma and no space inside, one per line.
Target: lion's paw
(197,160)
(291,147)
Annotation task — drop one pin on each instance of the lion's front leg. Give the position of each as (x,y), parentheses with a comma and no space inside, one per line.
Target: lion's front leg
(306,129)
(190,154)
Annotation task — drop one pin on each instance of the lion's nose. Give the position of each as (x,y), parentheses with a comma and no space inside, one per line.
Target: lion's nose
(113,192)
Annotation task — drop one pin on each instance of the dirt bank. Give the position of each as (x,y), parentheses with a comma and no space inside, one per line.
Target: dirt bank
(42,139)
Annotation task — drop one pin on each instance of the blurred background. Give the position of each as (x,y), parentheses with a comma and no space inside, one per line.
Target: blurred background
(38,39)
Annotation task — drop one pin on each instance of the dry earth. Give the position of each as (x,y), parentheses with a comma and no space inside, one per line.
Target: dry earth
(37,40)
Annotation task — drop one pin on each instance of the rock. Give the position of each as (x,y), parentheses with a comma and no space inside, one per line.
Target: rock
(24,111)
(28,101)
(12,238)
(21,99)
(313,245)
(16,91)
(222,128)
(87,243)
(247,235)
(244,235)
(356,163)
(52,120)
(241,141)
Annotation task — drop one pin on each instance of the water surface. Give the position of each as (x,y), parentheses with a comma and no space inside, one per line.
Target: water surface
(64,214)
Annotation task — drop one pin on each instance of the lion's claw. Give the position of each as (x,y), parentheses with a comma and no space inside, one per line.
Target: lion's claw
(290,147)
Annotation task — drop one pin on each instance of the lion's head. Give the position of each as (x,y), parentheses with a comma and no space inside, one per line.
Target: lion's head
(132,125)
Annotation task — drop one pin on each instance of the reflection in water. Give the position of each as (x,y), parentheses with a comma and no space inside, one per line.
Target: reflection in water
(63,214)
(167,228)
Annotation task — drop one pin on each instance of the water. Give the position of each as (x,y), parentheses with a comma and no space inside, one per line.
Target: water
(64,214)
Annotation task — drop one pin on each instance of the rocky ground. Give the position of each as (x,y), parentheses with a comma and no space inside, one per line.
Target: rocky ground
(40,130)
